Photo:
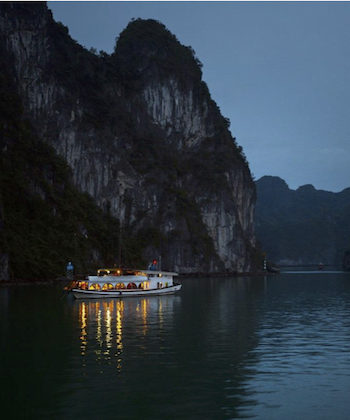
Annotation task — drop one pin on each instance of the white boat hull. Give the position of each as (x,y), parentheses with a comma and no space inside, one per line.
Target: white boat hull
(96,294)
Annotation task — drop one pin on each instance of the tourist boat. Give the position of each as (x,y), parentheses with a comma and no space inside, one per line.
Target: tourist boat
(116,282)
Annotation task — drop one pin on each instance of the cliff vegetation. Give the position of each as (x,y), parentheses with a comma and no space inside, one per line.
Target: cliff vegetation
(45,220)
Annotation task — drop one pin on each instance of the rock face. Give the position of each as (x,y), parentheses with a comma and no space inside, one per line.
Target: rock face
(141,134)
(346,261)
(4,267)
(303,226)
(4,260)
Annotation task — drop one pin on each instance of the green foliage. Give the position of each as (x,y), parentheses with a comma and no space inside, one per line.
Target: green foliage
(46,220)
(134,245)
(188,210)
(157,52)
(62,28)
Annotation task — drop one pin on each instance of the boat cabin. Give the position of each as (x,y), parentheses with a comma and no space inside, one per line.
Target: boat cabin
(112,279)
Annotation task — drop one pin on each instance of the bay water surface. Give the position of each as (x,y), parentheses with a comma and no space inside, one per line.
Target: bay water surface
(274,347)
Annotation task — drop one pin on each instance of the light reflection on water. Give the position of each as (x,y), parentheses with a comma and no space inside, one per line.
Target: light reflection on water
(269,348)
(102,323)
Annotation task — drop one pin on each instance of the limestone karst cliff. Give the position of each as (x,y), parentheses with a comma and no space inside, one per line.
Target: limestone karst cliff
(141,134)
(44,220)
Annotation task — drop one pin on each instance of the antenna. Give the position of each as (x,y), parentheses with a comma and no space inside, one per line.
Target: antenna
(120,244)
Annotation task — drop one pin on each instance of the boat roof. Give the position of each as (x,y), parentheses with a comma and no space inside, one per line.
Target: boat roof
(138,271)
(159,272)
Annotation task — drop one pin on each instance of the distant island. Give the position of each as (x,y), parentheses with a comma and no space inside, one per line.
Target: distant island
(304,226)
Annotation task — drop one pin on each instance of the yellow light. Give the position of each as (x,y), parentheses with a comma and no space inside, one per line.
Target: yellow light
(99,327)
(144,304)
(108,321)
(83,321)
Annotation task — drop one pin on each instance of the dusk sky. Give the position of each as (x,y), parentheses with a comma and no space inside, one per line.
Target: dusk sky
(280,71)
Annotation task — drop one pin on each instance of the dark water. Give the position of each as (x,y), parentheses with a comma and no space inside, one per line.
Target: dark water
(270,348)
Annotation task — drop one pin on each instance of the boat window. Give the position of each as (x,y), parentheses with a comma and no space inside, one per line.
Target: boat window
(94,286)
(141,286)
(132,286)
(107,286)
(120,286)
(83,285)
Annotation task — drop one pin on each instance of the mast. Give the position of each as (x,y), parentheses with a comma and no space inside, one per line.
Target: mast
(120,245)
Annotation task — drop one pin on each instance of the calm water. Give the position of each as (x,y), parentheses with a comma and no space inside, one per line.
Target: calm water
(271,348)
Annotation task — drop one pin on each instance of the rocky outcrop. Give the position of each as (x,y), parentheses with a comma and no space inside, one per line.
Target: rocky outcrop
(4,267)
(4,258)
(141,134)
